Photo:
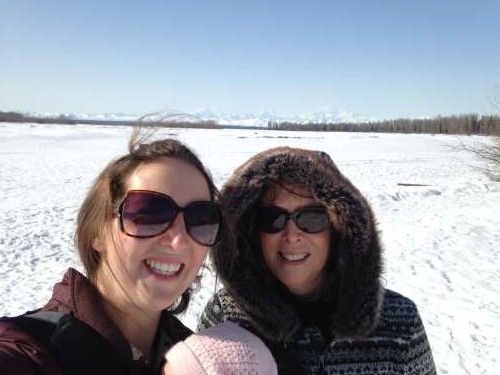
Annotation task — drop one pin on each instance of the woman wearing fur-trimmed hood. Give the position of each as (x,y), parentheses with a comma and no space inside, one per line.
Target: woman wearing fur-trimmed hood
(337,318)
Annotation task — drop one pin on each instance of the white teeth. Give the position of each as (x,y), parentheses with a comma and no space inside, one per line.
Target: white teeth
(167,269)
(294,257)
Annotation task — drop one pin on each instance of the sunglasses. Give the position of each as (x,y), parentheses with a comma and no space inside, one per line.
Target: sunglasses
(145,214)
(310,219)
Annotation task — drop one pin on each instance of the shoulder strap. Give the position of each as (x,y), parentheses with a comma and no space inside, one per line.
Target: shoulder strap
(75,346)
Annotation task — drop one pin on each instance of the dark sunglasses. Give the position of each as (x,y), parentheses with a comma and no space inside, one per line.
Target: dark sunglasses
(310,219)
(145,214)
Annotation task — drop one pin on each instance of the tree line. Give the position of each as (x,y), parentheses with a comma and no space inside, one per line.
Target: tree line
(469,124)
(457,124)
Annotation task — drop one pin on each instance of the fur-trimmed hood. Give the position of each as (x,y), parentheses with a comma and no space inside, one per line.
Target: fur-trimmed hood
(355,254)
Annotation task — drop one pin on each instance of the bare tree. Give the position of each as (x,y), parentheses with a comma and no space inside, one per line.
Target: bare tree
(490,155)
(491,152)
(488,150)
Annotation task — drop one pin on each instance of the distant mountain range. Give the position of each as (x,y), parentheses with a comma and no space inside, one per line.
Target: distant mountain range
(222,118)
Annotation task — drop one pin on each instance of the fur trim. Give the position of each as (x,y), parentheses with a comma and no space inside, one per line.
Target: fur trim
(356,251)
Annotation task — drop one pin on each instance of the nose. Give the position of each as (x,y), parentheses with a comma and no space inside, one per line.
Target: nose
(176,236)
(291,232)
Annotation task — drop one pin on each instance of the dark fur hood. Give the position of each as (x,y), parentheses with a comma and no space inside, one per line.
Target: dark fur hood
(355,263)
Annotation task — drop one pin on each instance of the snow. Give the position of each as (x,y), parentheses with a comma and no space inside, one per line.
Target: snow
(440,237)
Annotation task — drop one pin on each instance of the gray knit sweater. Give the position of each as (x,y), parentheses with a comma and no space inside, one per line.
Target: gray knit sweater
(398,345)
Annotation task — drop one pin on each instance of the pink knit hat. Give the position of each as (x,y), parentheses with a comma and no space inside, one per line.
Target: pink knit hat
(225,349)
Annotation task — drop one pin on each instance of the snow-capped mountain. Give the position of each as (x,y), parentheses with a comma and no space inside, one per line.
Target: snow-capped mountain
(84,116)
(325,116)
(262,118)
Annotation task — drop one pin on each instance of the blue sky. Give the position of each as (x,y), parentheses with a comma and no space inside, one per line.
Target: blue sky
(376,59)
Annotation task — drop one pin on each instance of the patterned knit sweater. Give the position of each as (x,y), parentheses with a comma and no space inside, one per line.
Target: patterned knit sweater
(398,345)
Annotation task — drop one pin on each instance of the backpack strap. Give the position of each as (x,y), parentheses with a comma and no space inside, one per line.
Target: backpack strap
(39,324)
(75,346)
(45,316)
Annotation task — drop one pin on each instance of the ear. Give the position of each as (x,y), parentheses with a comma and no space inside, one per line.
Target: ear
(98,245)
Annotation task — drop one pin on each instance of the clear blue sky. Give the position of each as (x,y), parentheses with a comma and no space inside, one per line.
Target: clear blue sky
(377,59)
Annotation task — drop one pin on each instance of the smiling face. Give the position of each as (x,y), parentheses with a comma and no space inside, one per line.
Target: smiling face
(152,273)
(295,257)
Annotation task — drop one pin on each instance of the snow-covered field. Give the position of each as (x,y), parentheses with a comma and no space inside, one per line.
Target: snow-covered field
(441,239)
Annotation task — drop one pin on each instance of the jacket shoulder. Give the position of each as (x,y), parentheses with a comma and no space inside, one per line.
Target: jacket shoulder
(400,313)
(400,323)
(20,353)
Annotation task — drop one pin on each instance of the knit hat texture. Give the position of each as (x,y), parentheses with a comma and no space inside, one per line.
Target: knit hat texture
(225,349)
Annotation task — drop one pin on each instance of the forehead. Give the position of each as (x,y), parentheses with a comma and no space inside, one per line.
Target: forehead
(176,178)
(287,195)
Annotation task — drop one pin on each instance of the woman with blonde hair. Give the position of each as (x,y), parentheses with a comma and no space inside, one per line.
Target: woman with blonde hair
(143,232)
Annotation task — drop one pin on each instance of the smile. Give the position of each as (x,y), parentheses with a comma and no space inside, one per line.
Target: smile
(293,257)
(164,269)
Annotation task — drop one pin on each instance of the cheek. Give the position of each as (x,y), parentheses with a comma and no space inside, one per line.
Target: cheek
(122,245)
(199,255)
(123,251)
(268,245)
(323,245)
(268,241)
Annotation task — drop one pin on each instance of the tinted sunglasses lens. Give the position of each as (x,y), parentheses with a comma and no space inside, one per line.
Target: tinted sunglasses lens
(312,220)
(272,219)
(203,221)
(145,214)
